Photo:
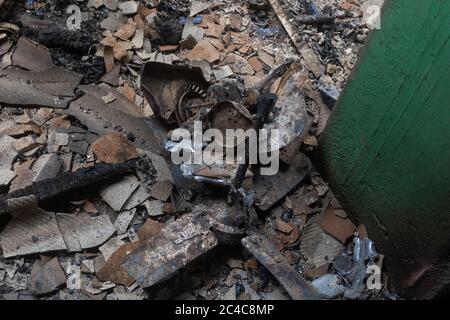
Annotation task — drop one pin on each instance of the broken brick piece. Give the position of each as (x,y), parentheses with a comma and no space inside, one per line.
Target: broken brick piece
(46,278)
(108,57)
(128,92)
(283,226)
(168,48)
(114,148)
(235,22)
(149,229)
(113,270)
(337,227)
(256,64)
(204,51)
(126,31)
(214,30)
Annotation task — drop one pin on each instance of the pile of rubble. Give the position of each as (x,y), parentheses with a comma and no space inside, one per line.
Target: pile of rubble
(91,205)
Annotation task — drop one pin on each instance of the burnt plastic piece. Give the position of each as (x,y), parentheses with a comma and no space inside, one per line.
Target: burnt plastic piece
(310,7)
(317,19)
(164,85)
(266,103)
(258,5)
(226,90)
(5,7)
(169,30)
(68,182)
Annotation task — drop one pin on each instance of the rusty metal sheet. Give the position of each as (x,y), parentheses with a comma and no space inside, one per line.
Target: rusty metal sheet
(266,253)
(179,243)
(271,189)
(52,88)
(121,102)
(102,118)
(31,56)
(164,85)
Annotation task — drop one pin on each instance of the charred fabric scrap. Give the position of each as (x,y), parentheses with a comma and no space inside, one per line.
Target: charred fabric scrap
(110,142)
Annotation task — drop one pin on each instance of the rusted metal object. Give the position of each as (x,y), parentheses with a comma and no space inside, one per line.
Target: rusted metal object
(230,115)
(290,116)
(103,118)
(179,243)
(51,88)
(264,107)
(171,90)
(266,253)
(228,222)
(271,189)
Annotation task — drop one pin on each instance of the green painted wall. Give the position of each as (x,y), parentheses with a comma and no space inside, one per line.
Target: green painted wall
(386,150)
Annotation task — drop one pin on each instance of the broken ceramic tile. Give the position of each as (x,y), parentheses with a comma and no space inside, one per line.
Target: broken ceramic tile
(7,152)
(139,196)
(84,232)
(154,208)
(6,176)
(31,230)
(123,221)
(318,247)
(126,31)
(31,56)
(117,194)
(129,7)
(46,277)
(113,21)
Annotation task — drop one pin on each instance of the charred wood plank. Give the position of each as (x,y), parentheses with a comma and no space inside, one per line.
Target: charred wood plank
(68,182)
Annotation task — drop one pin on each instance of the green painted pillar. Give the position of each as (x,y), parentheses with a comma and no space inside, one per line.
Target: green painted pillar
(386,149)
